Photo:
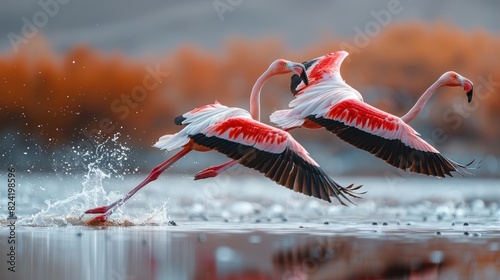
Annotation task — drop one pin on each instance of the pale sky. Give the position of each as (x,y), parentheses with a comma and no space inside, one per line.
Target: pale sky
(158,26)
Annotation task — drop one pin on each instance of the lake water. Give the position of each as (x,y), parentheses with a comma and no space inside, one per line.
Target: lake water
(243,226)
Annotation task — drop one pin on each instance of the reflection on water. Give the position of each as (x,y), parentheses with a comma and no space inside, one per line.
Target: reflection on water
(351,257)
(264,251)
(49,201)
(243,227)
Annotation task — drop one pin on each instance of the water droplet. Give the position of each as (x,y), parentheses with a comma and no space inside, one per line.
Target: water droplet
(437,257)
(224,254)
(254,239)
(202,237)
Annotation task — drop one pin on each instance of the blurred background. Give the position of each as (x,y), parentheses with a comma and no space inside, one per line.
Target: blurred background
(74,73)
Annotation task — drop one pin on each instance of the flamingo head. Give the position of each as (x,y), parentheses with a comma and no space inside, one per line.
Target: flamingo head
(454,79)
(282,66)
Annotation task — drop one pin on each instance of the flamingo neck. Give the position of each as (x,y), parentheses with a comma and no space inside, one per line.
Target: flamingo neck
(255,94)
(417,108)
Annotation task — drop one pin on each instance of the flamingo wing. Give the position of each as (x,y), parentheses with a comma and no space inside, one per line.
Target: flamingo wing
(274,153)
(318,70)
(385,136)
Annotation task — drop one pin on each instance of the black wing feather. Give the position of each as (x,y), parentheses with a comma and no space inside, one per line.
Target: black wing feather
(393,151)
(287,168)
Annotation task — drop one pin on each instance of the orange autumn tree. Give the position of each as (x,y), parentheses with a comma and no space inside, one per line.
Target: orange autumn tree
(62,97)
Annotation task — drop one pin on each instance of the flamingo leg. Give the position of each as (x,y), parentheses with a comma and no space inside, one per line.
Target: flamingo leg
(155,173)
(213,171)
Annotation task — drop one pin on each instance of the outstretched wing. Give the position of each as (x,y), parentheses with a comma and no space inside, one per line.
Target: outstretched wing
(274,153)
(319,69)
(385,136)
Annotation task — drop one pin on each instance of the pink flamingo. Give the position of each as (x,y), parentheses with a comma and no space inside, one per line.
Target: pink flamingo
(331,103)
(328,102)
(240,136)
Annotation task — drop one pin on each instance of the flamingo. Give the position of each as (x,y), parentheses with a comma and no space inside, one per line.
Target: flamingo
(239,135)
(331,103)
(328,102)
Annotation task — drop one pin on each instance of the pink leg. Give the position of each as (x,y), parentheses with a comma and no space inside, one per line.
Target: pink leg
(213,171)
(108,210)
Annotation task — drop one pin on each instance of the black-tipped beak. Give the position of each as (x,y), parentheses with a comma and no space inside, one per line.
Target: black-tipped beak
(178,120)
(469,95)
(468,84)
(303,76)
(300,70)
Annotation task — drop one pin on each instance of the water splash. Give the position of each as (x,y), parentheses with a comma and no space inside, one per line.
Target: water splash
(103,160)
(107,154)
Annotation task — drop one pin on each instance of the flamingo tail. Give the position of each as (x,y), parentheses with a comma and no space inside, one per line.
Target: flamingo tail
(283,119)
(171,142)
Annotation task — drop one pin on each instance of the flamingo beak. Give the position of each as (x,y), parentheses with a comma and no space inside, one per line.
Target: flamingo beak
(469,96)
(179,120)
(466,86)
(300,70)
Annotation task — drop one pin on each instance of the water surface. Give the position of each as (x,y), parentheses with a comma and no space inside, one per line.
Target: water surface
(241,226)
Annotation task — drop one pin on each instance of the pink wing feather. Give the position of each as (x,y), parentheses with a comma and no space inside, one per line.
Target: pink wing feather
(385,136)
(269,150)
(274,153)
(330,102)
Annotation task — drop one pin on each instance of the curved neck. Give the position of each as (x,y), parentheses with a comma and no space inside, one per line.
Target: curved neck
(417,108)
(255,95)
